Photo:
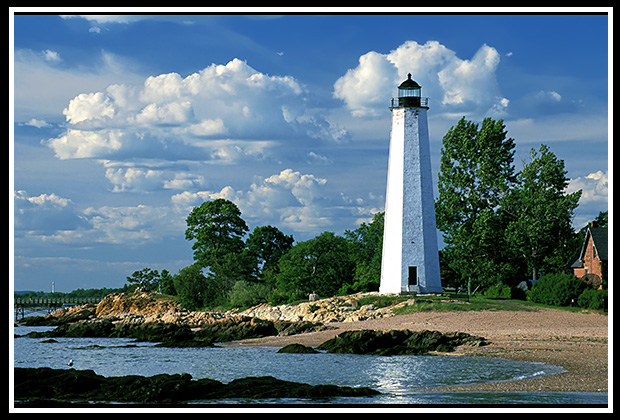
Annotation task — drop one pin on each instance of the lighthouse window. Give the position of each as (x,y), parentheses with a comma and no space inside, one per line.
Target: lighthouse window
(413,276)
(408,92)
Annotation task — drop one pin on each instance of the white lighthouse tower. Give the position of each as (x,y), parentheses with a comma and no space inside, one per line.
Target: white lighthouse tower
(410,260)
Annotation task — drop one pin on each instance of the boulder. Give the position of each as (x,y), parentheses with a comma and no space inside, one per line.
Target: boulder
(297,348)
(138,303)
(61,316)
(70,385)
(397,342)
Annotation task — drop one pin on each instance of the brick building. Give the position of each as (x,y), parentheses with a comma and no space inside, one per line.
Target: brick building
(591,261)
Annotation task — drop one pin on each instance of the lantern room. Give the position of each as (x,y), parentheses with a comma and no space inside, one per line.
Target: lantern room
(409,95)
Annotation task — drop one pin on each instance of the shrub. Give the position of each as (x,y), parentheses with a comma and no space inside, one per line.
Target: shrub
(593,299)
(498,291)
(359,287)
(557,289)
(245,294)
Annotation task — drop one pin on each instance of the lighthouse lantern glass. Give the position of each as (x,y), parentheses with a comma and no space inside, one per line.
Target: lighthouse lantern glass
(409,92)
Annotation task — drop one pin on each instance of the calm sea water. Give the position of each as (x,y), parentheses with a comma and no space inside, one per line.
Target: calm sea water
(397,377)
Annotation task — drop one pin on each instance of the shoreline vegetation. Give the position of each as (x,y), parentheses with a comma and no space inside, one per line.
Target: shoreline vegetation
(575,340)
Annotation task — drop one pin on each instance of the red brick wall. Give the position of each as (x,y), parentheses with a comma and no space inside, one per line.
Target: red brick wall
(591,261)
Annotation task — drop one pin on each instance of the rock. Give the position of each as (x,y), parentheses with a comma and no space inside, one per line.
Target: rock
(61,316)
(179,334)
(397,342)
(242,327)
(74,313)
(168,335)
(296,348)
(70,385)
(270,387)
(138,303)
(334,309)
(88,328)
(286,328)
(237,328)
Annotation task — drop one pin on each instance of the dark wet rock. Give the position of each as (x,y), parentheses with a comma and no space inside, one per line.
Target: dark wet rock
(180,335)
(92,328)
(61,316)
(167,335)
(46,384)
(286,328)
(243,327)
(397,342)
(236,328)
(297,348)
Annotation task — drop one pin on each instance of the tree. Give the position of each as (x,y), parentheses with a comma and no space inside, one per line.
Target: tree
(233,267)
(319,265)
(366,248)
(541,213)
(145,279)
(476,172)
(192,288)
(268,244)
(217,228)
(167,283)
(602,220)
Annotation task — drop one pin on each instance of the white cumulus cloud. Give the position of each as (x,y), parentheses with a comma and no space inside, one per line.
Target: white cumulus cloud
(594,188)
(449,81)
(45,214)
(221,113)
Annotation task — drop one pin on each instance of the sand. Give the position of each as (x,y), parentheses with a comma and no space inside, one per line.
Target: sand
(575,341)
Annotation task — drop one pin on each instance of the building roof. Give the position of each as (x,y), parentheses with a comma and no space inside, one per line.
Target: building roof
(409,83)
(599,239)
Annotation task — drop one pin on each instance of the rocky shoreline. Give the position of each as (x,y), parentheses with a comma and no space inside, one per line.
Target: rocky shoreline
(143,307)
(42,387)
(575,341)
(144,319)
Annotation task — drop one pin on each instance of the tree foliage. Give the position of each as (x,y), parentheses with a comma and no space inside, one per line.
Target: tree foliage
(192,288)
(268,244)
(497,225)
(476,172)
(541,213)
(320,265)
(217,228)
(145,279)
(366,248)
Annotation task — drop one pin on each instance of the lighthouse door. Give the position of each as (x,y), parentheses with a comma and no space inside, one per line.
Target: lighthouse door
(413,276)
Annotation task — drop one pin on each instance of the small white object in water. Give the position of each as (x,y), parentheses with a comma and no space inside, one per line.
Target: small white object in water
(70,362)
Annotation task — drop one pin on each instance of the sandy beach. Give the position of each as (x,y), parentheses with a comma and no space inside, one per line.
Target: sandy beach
(575,341)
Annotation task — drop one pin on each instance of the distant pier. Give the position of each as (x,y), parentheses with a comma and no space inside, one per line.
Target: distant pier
(21,305)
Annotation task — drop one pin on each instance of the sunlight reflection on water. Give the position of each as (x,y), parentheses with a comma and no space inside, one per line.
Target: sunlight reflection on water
(399,377)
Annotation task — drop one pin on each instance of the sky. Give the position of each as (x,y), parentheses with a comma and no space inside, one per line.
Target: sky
(121,124)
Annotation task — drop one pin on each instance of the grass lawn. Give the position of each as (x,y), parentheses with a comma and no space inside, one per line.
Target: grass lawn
(451,303)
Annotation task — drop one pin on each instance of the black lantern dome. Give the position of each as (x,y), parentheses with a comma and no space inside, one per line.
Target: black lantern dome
(409,94)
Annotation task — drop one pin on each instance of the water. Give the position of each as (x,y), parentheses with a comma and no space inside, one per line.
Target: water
(397,377)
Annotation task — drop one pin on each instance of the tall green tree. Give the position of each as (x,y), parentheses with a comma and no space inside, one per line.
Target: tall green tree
(167,283)
(541,213)
(192,287)
(476,172)
(268,244)
(321,265)
(217,228)
(145,279)
(366,248)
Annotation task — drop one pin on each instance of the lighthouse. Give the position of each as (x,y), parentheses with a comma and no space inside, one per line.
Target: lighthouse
(410,262)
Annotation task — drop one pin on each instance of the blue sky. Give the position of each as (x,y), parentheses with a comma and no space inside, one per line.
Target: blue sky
(122,123)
